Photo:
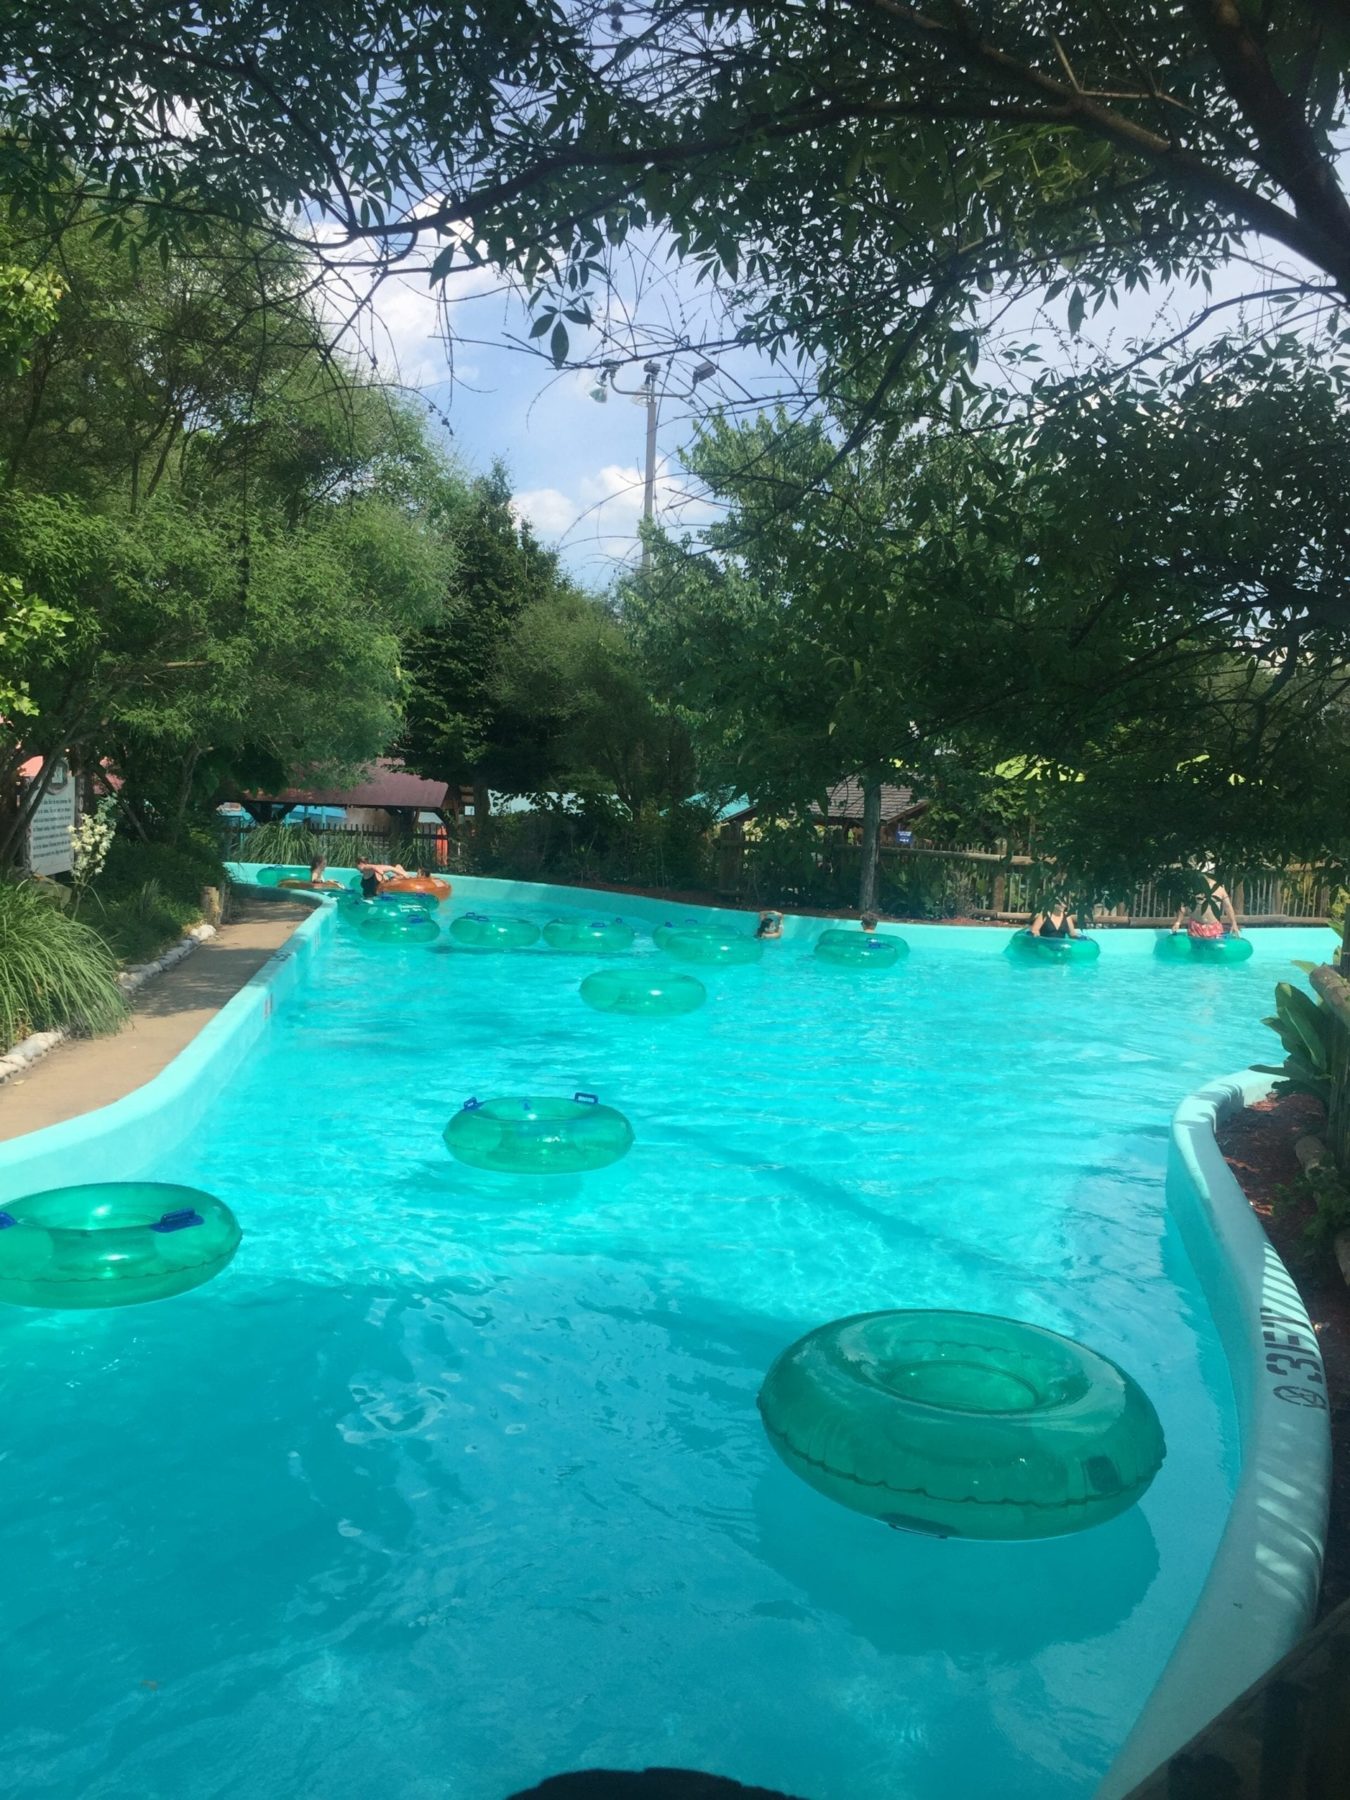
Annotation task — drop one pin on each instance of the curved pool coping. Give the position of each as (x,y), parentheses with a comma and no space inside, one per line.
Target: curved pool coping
(1261,1590)
(135,1131)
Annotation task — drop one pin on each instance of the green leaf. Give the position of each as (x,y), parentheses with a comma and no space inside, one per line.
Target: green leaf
(1077,307)
(557,346)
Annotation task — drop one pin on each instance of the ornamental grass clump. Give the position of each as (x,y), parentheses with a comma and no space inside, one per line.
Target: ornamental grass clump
(55,973)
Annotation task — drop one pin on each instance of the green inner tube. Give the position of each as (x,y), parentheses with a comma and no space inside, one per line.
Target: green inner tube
(634,992)
(860,949)
(596,937)
(382,924)
(476,931)
(271,873)
(520,1136)
(961,1425)
(1027,948)
(1179,947)
(112,1244)
(708,944)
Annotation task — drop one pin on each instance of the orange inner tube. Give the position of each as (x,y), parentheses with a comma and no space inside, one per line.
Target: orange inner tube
(417,884)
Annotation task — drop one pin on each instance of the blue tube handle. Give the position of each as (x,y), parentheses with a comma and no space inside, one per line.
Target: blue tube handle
(181,1220)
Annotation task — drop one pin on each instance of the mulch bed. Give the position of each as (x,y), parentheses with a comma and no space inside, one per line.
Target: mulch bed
(1259,1146)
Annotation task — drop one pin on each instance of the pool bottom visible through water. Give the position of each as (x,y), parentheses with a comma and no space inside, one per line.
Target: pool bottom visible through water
(453,1480)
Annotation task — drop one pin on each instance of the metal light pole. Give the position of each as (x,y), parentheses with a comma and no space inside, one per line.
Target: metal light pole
(647,396)
(651,370)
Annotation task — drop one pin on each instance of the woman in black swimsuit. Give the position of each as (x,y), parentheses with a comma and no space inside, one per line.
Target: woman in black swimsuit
(1056,921)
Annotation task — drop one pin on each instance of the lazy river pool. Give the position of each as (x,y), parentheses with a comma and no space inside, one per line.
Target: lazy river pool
(455,1480)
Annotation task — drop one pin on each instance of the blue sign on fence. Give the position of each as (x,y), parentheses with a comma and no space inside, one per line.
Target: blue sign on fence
(904,837)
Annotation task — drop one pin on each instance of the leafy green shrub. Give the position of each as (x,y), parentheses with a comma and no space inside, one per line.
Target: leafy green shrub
(660,848)
(1331,1204)
(181,869)
(1320,1187)
(55,971)
(138,925)
(1307,1029)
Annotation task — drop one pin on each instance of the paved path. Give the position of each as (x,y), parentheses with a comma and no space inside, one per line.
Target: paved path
(168,1012)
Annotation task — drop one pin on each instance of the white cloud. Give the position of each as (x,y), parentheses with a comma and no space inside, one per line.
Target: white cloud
(605,506)
(548,509)
(398,318)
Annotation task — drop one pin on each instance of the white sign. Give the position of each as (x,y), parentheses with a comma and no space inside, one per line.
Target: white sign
(50,826)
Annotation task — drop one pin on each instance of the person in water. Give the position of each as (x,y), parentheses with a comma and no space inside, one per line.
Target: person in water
(869,921)
(318,873)
(1208,914)
(374,875)
(770,925)
(1055,921)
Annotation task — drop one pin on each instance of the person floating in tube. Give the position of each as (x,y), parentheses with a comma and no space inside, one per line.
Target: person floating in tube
(318,873)
(1055,921)
(374,875)
(770,925)
(869,921)
(1208,914)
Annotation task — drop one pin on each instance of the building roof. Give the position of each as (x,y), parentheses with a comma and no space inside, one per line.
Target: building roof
(844,803)
(383,784)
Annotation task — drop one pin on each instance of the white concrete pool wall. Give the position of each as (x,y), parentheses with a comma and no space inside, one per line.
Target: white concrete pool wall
(1261,1590)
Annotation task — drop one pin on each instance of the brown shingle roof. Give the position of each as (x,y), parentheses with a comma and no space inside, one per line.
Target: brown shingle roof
(380,785)
(844,803)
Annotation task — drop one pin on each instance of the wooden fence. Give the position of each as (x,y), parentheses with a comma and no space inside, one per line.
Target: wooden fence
(1006,887)
(979,883)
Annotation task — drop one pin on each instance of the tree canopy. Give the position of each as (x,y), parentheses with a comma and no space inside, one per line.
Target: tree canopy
(523,683)
(222,531)
(857,176)
(1129,623)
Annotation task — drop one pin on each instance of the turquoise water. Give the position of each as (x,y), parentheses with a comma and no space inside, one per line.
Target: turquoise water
(453,1481)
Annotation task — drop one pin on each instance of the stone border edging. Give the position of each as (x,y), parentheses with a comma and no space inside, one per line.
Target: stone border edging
(38,1044)
(1260,1594)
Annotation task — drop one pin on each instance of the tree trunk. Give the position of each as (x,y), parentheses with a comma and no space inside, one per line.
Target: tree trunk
(871,845)
(482,807)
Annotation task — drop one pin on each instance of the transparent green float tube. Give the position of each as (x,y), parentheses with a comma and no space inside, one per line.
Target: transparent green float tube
(521,1136)
(596,937)
(1026,948)
(478,931)
(638,994)
(961,1425)
(860,949)
(112,1244)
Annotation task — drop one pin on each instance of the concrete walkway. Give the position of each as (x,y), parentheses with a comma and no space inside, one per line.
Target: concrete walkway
(167,1014)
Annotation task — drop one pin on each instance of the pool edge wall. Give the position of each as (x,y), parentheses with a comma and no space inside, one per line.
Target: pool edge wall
(1260,1595)
(142,1126)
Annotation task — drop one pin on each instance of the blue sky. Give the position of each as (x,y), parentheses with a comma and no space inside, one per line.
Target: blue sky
(575,465)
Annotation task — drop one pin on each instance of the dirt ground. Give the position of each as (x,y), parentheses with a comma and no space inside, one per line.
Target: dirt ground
(1259,1147)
